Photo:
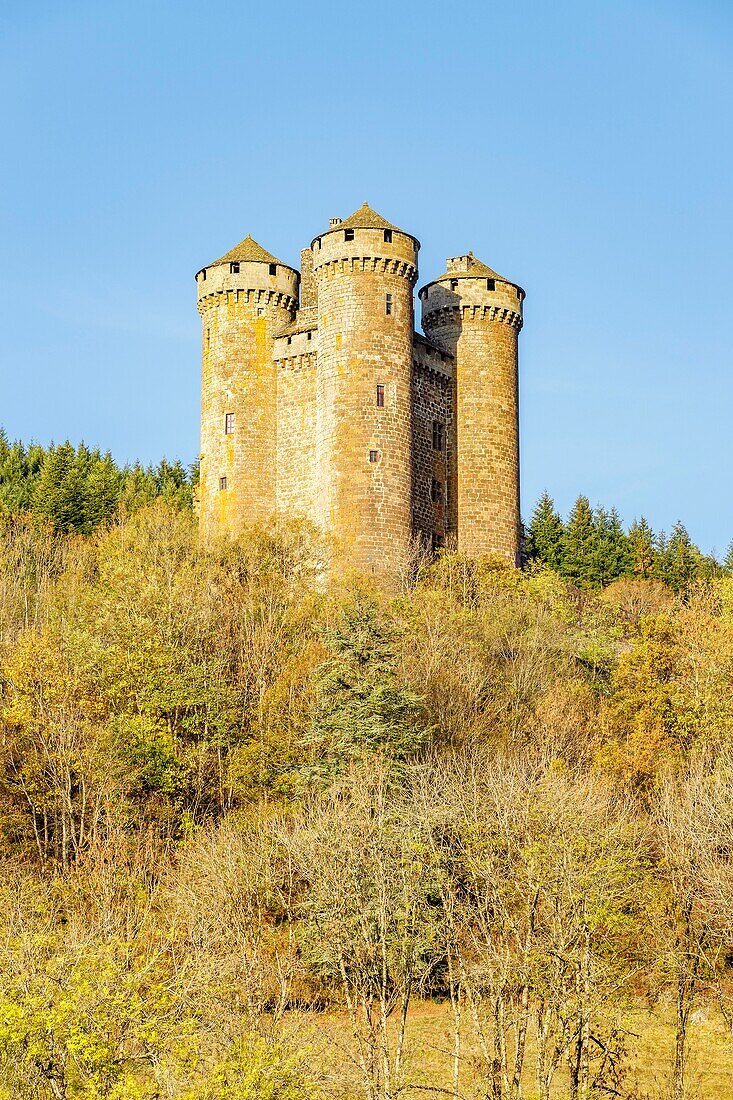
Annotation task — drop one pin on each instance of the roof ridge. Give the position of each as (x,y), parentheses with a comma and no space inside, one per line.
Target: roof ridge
(248,251)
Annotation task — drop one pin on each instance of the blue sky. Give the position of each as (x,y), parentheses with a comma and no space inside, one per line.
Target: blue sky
(583,149)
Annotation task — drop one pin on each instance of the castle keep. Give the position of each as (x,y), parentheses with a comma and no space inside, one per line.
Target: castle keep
(319,398)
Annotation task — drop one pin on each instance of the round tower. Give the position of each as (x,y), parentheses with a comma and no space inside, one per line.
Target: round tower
(365,269)
(243,298)
(475,315)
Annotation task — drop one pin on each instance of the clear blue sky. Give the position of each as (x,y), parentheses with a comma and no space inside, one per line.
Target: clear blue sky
(583,149)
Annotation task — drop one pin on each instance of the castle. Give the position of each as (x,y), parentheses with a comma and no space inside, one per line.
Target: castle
(319,398)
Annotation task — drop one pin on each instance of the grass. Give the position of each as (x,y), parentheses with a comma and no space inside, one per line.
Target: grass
(429,1044)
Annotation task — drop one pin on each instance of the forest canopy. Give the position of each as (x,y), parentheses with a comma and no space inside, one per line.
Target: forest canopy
(257,821)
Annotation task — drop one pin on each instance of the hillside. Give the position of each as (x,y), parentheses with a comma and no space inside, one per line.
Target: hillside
(270,836)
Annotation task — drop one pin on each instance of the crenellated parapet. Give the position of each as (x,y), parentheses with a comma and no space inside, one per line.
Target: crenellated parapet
(264,297)
(320,400)
(458,314)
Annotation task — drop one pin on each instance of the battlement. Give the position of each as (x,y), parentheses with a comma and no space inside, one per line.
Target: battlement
(319,398)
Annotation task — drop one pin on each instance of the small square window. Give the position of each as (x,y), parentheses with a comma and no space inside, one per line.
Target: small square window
(380,396)
(374,456)
(273,269)
(233,269)
(348,234)
(388,305)
(438,435)
(491,284)
(229,424)
(388,236)
(436,492)
(222,483)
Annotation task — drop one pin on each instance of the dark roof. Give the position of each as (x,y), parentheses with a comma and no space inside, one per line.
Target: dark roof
(477,269)
(366,218)
(248,251)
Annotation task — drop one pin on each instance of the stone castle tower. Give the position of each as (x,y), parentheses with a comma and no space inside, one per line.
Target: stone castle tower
(320,400)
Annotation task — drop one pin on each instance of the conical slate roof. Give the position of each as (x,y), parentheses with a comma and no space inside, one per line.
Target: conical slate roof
(366,218)
(476,270)
(247,251)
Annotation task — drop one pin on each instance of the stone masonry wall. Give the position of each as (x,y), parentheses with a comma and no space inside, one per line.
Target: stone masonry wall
(432,390)
(481,328)
(366,504)
(238,377)
(296,426)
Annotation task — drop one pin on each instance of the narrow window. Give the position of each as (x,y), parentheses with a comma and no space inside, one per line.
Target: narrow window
(436,492)
(309,334)
(222,483)
(438,435)
(348,234)
(318,242)
(388,305)
(290,339)
(491,284)
(273,269)
(373,456)
(388,236)
(454,284)
(380,397)
(229,424)
(233,269)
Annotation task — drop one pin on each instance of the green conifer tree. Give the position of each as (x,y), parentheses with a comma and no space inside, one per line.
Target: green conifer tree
(678,559)
(361,703)
(612,558)
(642,548)
(545,534)
(580,545)
(60,493)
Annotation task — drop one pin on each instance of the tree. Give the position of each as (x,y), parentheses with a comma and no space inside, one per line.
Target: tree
(611,554)
(545,534)
(366,905)
(678,559)
(361,704)
(642,548)
(581,545)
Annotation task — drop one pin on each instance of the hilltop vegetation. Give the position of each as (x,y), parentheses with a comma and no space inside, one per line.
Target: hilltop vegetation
(251,818)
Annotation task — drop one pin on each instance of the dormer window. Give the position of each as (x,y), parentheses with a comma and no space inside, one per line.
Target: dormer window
(348,234)
(273,269)
(233,269)
(491,284)
(388,236)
